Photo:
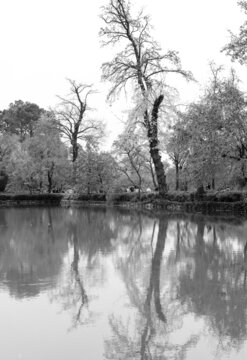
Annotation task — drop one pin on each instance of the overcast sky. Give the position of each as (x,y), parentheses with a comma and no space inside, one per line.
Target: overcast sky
(43,42)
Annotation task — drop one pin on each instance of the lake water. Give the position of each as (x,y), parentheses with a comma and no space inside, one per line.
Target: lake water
(98,284)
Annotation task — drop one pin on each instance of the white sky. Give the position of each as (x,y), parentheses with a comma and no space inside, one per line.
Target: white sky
(43,42)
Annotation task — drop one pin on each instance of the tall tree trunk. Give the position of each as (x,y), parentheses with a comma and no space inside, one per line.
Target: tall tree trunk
(74,143)
(159,169)
(75,152)
(153,175)
(213,184)
(49,182)
(50,177)
(74,157)
(89,175)
(40,185)
(177,174)
(152,133)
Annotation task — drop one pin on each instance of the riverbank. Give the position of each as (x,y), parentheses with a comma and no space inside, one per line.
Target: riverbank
(167,206)
(8,200)
(176,202)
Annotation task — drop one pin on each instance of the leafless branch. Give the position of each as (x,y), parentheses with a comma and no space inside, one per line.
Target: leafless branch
(70,115)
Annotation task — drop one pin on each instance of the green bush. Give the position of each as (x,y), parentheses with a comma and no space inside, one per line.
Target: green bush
(215,196)
(5,197)
(91,197)
(230,197)
(31,197)
(149,196)
(178,196)
(123,197)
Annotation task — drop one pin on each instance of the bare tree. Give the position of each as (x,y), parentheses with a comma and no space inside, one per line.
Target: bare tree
(141,63)
(71,119)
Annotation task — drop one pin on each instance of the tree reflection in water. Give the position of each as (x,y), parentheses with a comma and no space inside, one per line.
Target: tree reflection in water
(203,275)
(171,268)
(147,336)
(214,283)
(89,235)
(75,292)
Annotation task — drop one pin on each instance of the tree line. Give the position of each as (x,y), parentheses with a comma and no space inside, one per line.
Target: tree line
(162,147)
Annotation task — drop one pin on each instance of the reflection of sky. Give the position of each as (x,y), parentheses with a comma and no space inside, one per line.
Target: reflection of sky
(116,282)
(39,329)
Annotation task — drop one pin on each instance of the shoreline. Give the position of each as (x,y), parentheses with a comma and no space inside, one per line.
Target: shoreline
(156,204)
(165,206)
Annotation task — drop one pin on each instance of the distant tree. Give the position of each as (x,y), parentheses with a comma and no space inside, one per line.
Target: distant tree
(86,169)
(8,145)
(71,117)
(204,143)
(106,171)
(217,131)
(49,152)
(178,150)
(3,180)
(96,171)
(22,169)
(141,63)
(234,127)
(41,161)
(20,119)
(131,158)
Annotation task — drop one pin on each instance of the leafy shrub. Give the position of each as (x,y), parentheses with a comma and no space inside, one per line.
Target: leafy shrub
(230,197)
(214,196)
(149,196)
(5,197)
(122,197)
(91,197)
(178,196)
(31,197)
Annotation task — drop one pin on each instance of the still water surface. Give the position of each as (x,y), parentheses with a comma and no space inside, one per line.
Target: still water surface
(97,284)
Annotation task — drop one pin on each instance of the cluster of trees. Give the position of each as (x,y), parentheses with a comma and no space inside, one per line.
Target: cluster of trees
(32,153)
(39,151)
(205,145)
(55,150)
(208,143)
